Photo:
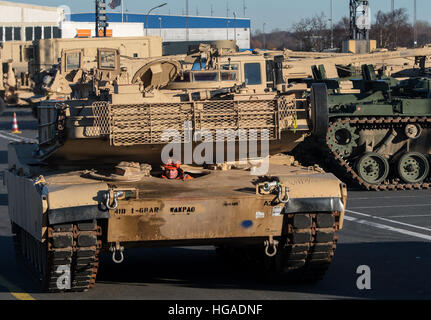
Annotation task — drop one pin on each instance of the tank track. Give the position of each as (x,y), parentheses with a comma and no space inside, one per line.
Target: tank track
(304,253)
(309,247)
(345,168)
(74,245)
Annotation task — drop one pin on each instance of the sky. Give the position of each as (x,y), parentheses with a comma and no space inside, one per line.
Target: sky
(276,14)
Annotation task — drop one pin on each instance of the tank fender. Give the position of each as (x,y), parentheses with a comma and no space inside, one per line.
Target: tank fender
(74,214)
(331,204)
(76,202)
(314,193)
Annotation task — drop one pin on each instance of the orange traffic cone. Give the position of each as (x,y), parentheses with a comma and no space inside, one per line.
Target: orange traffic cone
(15,125)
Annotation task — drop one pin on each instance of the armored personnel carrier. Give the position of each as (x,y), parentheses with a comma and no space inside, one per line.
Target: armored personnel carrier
(94,183)
(378,137)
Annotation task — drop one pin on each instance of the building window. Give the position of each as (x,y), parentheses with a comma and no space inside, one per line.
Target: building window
(47,32)
(28,33)
(1,33)
(37,33)
(8,34)
(56,32)
(17,34)
(252,73)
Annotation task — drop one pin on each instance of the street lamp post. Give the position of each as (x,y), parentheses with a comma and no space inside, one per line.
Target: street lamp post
(187,20)
(264,36)
(332,25)
(415,28)
(148,13)
(227,29)
(160,21)
(234,25)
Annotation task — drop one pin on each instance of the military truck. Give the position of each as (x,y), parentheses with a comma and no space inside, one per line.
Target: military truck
(378,137)
(27,66)
(16,82)
(93,181)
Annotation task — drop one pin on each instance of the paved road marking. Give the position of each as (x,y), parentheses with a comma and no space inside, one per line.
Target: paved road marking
(411,216)
(15,290)
(399,206)
(385,227)
(16,138)
(389,220)
(389,197)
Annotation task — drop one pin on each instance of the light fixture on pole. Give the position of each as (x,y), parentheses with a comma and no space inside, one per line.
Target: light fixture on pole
(332,24)
(160,21)
(415,27)
(234,25)
(187,20)
(148,13)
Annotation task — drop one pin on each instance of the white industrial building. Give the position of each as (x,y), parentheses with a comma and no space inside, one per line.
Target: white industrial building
(24,22)
(171,28)
(30,22)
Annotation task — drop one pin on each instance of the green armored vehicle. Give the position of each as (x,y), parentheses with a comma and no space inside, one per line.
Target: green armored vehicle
(96,179)
(378,137)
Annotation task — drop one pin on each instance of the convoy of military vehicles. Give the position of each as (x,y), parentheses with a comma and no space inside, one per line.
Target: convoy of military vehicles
(112,111)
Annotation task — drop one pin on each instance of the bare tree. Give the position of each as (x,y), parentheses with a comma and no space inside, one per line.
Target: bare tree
(424,32)
(392,29)
(312,34)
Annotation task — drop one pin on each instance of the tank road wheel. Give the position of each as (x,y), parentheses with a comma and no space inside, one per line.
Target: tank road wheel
(70,249)
(319,109)
(373,168)
(341,137)
(413,167)
(413,131)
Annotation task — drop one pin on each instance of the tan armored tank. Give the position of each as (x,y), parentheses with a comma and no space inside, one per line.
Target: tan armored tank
(102,176)
(399,63)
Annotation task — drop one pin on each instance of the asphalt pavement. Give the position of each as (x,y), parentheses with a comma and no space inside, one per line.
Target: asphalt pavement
(388,232)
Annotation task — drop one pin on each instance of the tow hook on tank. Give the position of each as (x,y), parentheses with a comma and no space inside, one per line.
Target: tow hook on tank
(110,199)
(275,186)
(118,249)
(271,243)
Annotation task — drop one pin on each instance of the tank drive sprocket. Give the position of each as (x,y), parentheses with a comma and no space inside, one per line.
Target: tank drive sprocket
(341,137)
